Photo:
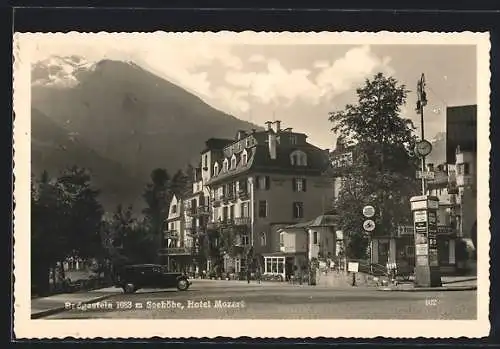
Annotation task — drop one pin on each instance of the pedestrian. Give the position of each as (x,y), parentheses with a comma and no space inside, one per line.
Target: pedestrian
(258,275)
(248,275)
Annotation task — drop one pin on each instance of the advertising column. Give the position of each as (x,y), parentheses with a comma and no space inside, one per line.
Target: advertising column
(427,272)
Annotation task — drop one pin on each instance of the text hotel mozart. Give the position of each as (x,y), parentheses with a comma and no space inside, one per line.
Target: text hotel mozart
(192,304)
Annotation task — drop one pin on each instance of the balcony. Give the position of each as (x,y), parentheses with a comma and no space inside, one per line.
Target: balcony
(175,251)
(198,211)
(241,221)
(171,234)
(230,197)
(243,194)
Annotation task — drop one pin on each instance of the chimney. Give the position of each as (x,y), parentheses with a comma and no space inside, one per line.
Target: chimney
(271,140)
(278,126)
(430,167)
(269,123)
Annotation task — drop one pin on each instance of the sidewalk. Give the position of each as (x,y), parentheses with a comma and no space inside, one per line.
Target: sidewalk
(449,283)
(45,306)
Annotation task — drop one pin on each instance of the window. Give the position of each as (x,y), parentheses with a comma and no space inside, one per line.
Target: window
(216,169)
(174,208)
(298,210)
(263,208)
(224,213)
(293,139)
(263,239)
(298,158)
(263,182)
(231,212)
(299,184)
(282,239)
(466,168)
(274,265)
(233,162)
(205,160)
(225,165)
(245,240)
(244,158)
(315,237)
(244,209)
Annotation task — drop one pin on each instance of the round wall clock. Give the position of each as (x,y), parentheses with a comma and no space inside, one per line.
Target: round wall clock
(423,148)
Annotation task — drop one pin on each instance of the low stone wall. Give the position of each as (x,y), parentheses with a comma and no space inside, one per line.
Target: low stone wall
(343,279)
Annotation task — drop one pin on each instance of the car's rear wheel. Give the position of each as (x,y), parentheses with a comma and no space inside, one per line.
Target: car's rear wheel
(182,284)
(129,288)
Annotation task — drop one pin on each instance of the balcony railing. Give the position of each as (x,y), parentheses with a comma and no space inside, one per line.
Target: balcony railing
(243,194)
(228,198)
(239,221)
(172,251)
(198,211)
(169,234)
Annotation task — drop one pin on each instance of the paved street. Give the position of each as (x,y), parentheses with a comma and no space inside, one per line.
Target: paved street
(207,299)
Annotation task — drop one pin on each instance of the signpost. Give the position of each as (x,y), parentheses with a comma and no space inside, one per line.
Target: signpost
(425,175)
(368,226)
(427,272)
(353,267)
(368,211)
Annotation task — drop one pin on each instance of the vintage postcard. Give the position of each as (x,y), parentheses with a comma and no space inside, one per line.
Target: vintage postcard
(323,184)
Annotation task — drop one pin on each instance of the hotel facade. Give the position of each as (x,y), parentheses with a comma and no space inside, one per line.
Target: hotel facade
(244,192)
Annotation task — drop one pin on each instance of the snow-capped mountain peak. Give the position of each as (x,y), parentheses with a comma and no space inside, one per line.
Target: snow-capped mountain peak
(59,71)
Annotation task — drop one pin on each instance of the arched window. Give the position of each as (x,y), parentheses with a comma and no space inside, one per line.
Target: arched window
(263,239)
(216,169)
(225,165)
(298,158)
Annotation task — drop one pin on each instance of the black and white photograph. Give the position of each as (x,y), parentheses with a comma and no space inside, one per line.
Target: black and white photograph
(251,176)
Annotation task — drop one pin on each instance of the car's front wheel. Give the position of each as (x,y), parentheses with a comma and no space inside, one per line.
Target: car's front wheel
(129,288)
(182,284)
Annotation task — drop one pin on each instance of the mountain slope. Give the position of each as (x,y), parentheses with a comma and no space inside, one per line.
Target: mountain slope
(438,154)
(53,149)
(126,114)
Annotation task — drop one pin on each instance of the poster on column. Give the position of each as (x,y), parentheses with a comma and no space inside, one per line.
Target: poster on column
(420,216)
(433,258)
(420,238)
(422,260)
(421,226)
(421,249)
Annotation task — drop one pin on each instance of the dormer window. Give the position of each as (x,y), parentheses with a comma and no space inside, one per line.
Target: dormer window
(233,162)
(244,158)
(298,158)
(216,169)
(225,165)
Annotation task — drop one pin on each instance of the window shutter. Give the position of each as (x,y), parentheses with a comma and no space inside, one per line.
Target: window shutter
(257,182)
(304,181)
(294,184)
(268,182)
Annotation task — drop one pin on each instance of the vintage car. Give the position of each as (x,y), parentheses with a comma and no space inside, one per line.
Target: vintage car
(133,277)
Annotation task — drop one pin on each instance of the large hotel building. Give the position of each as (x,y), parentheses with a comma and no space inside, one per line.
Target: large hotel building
(248,188)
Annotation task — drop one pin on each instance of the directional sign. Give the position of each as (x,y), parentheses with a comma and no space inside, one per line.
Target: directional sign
(425,175)
(369,225)
(368,211)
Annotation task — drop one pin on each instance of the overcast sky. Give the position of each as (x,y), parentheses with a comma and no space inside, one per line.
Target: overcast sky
(297,84)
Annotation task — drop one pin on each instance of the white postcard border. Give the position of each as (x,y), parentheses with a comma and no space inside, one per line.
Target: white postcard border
(24,327)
